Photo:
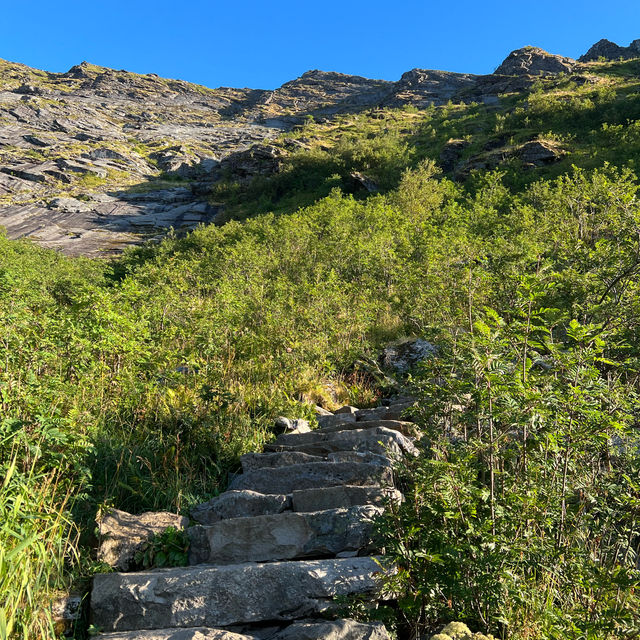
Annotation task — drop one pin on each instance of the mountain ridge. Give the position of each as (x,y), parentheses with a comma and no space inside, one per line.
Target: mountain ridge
(89,158)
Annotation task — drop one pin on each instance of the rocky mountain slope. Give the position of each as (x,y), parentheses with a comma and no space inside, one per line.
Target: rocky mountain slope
(95,159)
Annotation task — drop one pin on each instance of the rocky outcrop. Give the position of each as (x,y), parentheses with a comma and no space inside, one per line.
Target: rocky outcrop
(607,50)
(538,153)
(534,61)
(424,87)
(91,159)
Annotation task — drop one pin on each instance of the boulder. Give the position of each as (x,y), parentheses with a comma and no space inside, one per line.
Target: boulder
(284,536)
(360,182)
(239,504)
(534,61)
(404,354)
(451,154)
(260,159)
(539,153)
(207,596)
(289,425)
(123,534)
(284,480)
(342,497)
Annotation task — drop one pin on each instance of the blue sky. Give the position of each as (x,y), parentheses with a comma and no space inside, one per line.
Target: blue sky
(263,44)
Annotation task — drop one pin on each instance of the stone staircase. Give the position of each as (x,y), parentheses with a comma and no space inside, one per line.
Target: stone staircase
(269,555)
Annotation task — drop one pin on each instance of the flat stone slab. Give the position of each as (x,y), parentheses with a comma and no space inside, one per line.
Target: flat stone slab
(303,630)
(213,597)
(252,461)
(333,419)
(408,429)
(284,480)
(392,412)
(380,440)
(343,497)
(360,456)
(284,536)
(239,504)
(197,633)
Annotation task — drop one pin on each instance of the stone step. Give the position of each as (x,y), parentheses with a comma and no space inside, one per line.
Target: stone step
(195,633)
(392,412)
(205,596)
(303,630)
(378,440)
(408,429)
(285,480)
(284,536)
(333,419)
(239,504)
(333,630)
(360,456)
(343,497)
(252,461)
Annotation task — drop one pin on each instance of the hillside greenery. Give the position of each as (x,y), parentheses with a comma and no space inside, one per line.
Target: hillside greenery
(137,383)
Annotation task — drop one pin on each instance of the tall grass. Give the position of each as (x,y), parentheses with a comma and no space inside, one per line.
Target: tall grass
(37,541)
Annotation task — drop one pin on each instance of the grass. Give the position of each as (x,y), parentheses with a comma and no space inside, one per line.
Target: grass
(37,546)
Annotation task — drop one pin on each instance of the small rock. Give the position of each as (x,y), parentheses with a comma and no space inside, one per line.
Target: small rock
(66,611)
(123,534)
(346,409)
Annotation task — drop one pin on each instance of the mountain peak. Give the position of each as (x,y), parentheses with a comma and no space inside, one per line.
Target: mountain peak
(534,61)
(611,51)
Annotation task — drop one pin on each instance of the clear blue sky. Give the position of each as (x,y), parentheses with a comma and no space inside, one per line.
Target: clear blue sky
(262,44)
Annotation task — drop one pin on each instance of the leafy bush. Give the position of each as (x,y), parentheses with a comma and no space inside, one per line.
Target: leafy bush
(167,549)
(522,515)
